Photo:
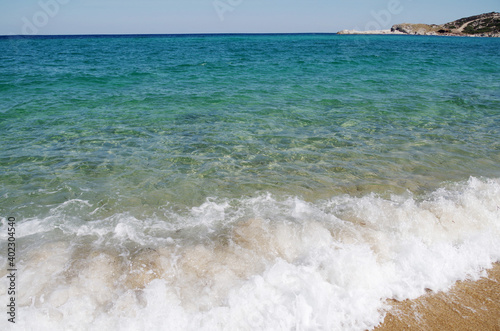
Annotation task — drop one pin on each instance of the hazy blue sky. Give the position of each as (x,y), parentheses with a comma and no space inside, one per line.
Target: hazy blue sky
(214,16)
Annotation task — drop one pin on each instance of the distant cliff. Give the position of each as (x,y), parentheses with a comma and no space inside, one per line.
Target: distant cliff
(484,25)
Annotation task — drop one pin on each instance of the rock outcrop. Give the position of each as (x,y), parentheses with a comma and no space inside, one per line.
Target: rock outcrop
(484,25)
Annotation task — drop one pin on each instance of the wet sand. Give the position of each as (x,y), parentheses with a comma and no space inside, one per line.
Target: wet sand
(469,305)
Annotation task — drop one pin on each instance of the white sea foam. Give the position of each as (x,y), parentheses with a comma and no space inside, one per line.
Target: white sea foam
(252,264)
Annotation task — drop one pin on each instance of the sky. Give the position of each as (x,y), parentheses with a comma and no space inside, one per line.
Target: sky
(68,17)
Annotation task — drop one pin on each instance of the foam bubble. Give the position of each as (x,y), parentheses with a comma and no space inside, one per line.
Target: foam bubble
(256,263)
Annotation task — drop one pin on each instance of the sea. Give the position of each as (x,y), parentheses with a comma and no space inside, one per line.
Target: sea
(242,182)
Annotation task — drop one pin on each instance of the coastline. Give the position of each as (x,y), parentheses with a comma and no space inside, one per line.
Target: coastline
(387,31)
(483,25)
(399,33)
(468,305)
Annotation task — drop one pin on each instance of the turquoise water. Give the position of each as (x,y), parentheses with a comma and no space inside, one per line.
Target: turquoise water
(118,145)
(148,121)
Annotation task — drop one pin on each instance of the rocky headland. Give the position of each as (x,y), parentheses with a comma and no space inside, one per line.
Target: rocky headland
(484,25)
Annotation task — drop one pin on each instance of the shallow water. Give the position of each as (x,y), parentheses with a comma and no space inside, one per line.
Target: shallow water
(245,182)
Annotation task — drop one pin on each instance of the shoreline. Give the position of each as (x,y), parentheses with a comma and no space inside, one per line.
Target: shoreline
(468,305)
(399,33)
(483,25)
(387,31)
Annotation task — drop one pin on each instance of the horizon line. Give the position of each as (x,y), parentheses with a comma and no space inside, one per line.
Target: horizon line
(22,36)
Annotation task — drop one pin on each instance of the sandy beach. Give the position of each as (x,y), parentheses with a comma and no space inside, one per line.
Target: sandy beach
(469,305)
